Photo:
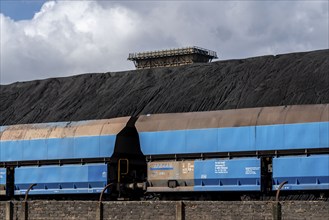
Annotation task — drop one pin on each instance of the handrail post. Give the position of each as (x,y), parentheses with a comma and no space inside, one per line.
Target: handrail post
(277,212)
(119,168)
(25,206)
(278,191)
(28,190)
(103,191)
(99,213)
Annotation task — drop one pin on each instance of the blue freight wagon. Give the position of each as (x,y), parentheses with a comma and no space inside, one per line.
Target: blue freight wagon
(237,150)
(60,158)
(65,179)
(228,154)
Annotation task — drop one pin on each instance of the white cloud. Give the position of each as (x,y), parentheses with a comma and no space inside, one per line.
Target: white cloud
(73,37)
(66,38)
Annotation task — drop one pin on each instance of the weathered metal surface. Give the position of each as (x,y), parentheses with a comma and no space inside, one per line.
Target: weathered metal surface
(237,139)
(234,118)
(325,113)
(242,130)
(60,141)
(204,175)
(180,173)
(15,132)
(272,115)
(63,129)
(304,113)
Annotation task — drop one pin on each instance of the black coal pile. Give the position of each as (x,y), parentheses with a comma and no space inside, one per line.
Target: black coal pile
(289,79)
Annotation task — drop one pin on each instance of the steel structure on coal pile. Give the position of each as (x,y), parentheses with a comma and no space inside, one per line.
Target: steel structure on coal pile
(172,57)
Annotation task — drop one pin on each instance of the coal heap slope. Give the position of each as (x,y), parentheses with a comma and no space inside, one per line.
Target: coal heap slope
(289,79)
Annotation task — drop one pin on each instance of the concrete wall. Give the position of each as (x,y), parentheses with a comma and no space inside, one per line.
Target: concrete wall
(2,210)
(228,210)
(294,210)
(162,210)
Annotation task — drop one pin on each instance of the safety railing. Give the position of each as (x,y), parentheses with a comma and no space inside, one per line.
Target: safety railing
(172,52)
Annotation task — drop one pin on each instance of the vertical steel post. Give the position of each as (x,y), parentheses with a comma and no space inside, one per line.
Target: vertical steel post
(28,190)
(25,208)
(278,191)
(277,212)
(99,211)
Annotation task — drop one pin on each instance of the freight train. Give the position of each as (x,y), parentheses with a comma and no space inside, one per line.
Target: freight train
(213,155)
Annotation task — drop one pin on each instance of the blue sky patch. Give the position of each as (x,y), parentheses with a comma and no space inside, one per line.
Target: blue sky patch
(20,9)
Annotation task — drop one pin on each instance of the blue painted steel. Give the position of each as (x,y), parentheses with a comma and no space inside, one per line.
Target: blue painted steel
(298,136)
(35,149)
(106,145)
(159,142)
(241,174)
(60,148)
(2,176)
(168,138)
(236,139)
(269,137)
(91,178)
(86,147)
(324,135)
(233,139)
(57,148)
(201,140)
(11,150)
(301,172)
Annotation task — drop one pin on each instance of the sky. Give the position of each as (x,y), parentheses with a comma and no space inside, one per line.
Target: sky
(45,39)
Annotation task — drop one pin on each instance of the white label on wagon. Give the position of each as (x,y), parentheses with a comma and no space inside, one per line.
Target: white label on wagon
(220,167)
